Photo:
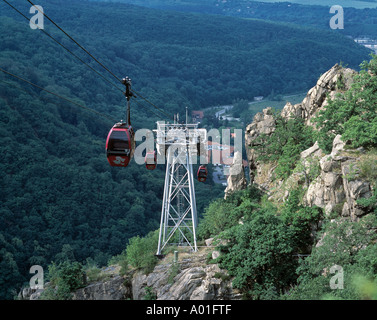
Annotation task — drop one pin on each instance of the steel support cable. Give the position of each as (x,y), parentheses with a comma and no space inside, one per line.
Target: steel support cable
(162,111)
(107,118)
(95,59)
(80,46)
(52,38)
(145,108)
(59,96)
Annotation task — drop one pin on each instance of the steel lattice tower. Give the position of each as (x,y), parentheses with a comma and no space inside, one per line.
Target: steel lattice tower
(178,144)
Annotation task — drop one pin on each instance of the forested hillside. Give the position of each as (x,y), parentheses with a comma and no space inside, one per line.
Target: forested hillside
(60,200)
(357,22)
(188,57)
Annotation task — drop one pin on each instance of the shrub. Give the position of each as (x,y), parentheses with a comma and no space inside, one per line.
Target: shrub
(284,145)
(140,252)
(149,294)
(259,255)
(173,271)
(121,260)
(222,214)
(350,245)
(368,165)
(303,220)
(64,278)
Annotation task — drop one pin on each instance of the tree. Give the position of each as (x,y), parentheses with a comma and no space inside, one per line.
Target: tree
(64,278)
(259,254)
(222,214)
(239,107)
(349,245)
(140,252)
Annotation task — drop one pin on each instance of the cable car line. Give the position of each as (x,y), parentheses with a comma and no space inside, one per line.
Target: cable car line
(78,58)
(86,51)
(101,64)
(120,148)
(139,95)
(51,37)
(55,94)
(59,96)
(128,93)
(145,108)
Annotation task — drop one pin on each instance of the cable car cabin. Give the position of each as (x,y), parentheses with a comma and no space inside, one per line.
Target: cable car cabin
(120,145)
(151,160)
(202,174)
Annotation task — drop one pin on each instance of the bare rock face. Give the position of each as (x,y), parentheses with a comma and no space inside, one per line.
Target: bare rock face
(29,294)
(316,98)
(189,279)
(339,186)
(264,123)
(236,180)
(113,289)
(313,151)
(327,190)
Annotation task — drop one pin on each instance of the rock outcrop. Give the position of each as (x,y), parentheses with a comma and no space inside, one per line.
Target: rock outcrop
(335,80)
(29,294)
(332,181)
(189,279)
(338,186)
(236,179)
(264,123)
(112,289)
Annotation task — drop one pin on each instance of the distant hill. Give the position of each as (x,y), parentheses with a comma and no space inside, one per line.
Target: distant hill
(360,17)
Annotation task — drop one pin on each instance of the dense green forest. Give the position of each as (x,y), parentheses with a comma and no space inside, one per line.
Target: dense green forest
(60,200)
(357,22)
(188,58)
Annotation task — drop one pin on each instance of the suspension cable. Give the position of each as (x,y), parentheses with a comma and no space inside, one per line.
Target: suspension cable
(162,111)
(101,64)
(145,108)
(59,96)
(86,51)
(51,37)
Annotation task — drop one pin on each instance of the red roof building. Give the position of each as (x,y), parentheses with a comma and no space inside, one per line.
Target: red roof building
(197,115)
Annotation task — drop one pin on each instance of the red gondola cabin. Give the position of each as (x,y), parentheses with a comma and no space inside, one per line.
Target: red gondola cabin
(120,145)
(202,174)
(150,160)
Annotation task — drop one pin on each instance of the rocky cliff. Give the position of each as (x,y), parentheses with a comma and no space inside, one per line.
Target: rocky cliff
(236,179)
(191,277)
(188,278)
(331,181)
